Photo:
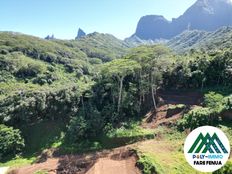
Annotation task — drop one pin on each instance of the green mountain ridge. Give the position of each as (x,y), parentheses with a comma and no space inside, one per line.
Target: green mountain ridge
(88,93)
(98,45)
(195,39)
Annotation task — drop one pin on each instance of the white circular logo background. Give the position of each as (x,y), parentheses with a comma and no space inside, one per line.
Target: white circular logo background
(206,161)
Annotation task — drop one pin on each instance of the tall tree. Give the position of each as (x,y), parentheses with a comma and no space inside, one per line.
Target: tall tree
(119,69)
(154,60)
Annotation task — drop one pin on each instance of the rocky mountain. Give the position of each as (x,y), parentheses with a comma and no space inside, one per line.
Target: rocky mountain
(80,34)
(196,39)
(135,41)
(207,15)
(48,37)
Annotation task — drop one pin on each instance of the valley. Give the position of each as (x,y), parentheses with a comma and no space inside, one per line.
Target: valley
(97,104)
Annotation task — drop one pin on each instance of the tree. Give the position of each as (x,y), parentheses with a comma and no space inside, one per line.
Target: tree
(119,69)
(154,61)
(11,141)
(156,80)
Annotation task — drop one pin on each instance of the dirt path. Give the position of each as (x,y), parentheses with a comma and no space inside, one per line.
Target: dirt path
(115,165)
(120,160)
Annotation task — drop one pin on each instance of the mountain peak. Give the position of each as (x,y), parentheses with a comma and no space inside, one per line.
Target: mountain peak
(80,34)
(207,15)
(48,37)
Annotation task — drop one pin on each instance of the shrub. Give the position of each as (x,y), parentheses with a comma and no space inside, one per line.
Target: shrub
(77,129)
(213,100)
(226,169)
(147,164)
(227,103)
(45,78)
(33,106)
(95,61)
(11,141)
(29,70)
(198,117)
(87,124)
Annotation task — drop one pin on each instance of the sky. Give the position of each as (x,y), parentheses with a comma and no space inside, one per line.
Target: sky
(63,17)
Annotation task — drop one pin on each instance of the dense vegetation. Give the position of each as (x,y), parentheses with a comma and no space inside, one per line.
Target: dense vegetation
(202,40)
(99,92)
(99,47)
(10,141)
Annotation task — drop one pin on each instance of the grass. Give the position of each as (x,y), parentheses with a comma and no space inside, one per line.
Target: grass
(165,153)
(179,106)
(114,138)
(50,134)
(18,161)
(41,172)
(38,137)
(226,127)
(162,154)
(42,135)
(133,131)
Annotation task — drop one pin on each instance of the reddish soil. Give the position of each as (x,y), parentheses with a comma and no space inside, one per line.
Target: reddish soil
(163,115)
(121,163)
(120,160)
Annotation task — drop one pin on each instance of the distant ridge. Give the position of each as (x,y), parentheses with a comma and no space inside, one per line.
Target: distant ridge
(207,15)
(195,39)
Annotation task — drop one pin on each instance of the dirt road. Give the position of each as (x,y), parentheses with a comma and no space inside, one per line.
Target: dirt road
(120,160)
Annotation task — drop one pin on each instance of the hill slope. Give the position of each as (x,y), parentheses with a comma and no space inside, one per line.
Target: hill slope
(97,45)
(195,39)
(37,74)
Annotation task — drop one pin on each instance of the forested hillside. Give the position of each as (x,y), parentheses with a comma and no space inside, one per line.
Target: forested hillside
(105,47)
(93,93)
(202,40)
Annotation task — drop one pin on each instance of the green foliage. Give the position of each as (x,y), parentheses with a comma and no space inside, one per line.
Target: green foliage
(86,124)
(199,71)
(120,68)
(50,133)
(102,46)
(38,48)
(226,169)
(131,130)
(227,103)
(41,172)
(29,107)
(202,40)
(213,100)
(198,117)
(29,70)
(146,164)
(77,129)
(165,154)
(70,81)
(179,106)
(11,141)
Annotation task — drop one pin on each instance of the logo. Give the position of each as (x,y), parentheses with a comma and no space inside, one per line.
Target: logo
(207,149)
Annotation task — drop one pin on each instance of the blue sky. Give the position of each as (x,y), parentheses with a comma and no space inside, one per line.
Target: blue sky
(63,17)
